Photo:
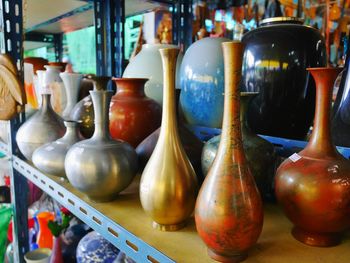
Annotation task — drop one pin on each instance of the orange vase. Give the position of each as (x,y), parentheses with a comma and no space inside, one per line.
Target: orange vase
(45,238)
(229,213)
(313,186)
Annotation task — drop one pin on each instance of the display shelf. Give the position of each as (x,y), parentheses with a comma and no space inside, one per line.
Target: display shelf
(124,224)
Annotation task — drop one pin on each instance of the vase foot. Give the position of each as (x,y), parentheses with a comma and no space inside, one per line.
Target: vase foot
(316,239)
(227,258)
(168,227)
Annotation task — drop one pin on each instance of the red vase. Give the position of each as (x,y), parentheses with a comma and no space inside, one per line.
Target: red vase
(313,186)
(56,256)
(229,213)
(133,116)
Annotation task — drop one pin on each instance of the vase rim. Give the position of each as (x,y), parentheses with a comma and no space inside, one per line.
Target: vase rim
(324,69)
(131,79)
(71,73)
(148,45)
(53,67)
(281,19)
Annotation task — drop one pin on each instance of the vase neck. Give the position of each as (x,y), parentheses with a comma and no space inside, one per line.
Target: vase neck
(46,103)
(71,131)
(130,87)
(100,82)
(101,100)
(231,139)
(169,118)
(320,144)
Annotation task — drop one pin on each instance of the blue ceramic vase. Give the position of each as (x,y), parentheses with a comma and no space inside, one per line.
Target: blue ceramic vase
(202,83)
(94,248)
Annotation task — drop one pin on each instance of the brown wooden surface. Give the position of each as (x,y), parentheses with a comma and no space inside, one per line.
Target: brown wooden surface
(275,245)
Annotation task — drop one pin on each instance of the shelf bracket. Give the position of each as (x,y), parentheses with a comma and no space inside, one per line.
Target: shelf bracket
(109,26)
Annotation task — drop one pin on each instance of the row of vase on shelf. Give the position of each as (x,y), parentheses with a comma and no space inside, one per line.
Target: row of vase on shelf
(312,186)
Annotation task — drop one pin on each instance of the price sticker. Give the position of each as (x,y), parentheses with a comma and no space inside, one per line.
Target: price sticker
(295,157)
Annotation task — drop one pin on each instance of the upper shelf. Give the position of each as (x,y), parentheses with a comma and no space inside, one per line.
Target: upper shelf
(52,16)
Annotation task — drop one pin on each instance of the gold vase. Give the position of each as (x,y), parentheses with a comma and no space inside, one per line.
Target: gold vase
(168,187)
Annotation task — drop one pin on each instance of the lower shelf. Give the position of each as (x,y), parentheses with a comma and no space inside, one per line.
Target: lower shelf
(124,223)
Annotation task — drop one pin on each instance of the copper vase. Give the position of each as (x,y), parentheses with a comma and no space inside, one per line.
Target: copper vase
(260,153)
(168,187)
(133,116)
(229,213)
(313,186)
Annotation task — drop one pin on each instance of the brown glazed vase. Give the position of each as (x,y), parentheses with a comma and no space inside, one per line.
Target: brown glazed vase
(313,186)
(192,145)
(133,116)
(38,63)
(229,212)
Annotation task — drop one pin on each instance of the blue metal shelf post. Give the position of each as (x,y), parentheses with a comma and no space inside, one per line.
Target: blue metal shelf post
(109,25)
(58,43)
(182,23)
(12,17)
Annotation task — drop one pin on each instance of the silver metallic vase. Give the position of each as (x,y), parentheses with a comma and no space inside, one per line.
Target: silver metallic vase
(101,167)
(49,158)
(42,127)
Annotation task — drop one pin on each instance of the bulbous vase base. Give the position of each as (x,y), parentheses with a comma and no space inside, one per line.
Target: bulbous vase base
(227,258)
(316,239)
(168,227)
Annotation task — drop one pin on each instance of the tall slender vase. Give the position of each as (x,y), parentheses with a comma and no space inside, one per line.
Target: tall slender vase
(229,213)
(168,185)
(313,186)
(101,167)
(71,83)
(260,153)
(42,127)
(192,145)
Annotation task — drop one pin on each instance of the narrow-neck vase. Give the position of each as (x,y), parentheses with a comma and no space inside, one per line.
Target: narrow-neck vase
(168,187)
(84,111)
(71,83)
(313,186)
(229,213)
(42,127)
(50,157)
(259,152)
(101,167)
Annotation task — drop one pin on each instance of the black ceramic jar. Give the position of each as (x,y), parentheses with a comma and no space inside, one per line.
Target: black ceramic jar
(274,64)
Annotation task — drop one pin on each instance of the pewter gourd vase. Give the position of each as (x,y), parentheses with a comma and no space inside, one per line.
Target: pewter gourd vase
(101,167)
(49,158)
(42,127)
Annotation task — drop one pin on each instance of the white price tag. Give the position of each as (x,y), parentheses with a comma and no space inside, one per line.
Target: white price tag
(295,157)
